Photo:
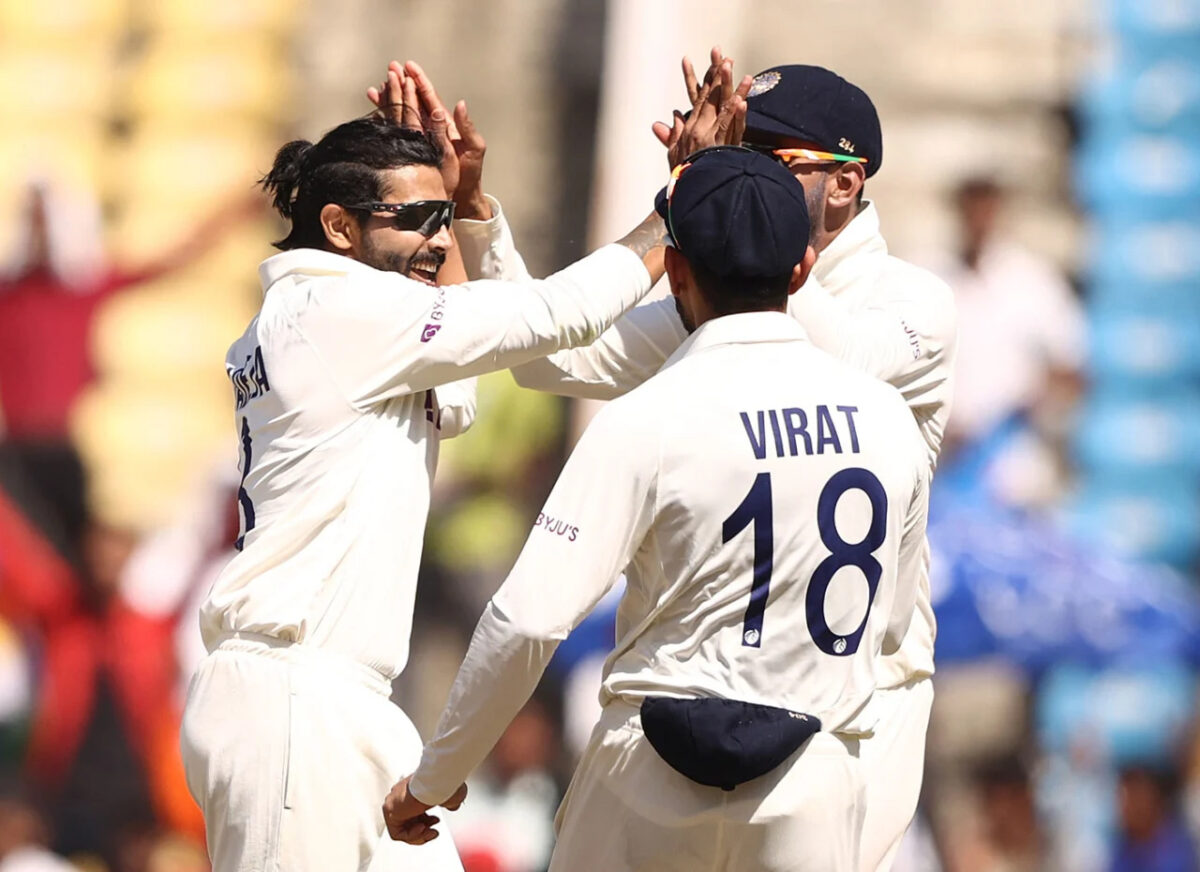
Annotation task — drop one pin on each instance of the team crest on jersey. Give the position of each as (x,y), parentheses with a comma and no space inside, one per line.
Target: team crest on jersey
(764,82)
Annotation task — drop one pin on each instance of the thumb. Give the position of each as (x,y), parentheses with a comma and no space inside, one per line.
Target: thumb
(661,132)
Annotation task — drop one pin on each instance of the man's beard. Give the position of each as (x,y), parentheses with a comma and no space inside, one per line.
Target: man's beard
(687,323)
(391,261)
(815,200)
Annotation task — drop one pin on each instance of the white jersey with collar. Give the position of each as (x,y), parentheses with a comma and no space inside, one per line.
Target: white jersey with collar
(749,511)
(881,314)
(344,383)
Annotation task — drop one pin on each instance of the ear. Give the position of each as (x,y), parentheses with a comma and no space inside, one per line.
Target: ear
(679,272)
(801,270)
(845,185)
(341,230)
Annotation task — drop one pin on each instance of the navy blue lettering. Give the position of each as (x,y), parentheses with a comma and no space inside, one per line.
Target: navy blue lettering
(250,379)
(260,372)
(778,434)
(826,433)
(758,445)
(849,411)
(796,423)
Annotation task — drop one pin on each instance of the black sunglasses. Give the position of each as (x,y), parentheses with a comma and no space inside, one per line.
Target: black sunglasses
(422,216)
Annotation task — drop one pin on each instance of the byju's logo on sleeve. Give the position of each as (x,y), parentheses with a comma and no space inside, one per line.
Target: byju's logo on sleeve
(430,331)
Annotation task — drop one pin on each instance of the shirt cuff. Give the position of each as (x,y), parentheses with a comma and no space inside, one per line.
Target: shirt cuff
(487,247)
(422,792)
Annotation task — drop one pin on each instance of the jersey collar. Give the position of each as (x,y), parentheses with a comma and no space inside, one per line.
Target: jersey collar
(308,262)
(860,237)
(742,328)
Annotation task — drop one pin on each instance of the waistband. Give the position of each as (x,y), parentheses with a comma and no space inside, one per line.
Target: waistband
(297,652)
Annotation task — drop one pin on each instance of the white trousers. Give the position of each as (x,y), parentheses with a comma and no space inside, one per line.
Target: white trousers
(290,751)
(628,811)
(893,761)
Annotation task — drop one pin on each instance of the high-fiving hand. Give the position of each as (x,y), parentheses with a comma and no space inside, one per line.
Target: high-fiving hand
(718,115)
(407,818)
(407,98)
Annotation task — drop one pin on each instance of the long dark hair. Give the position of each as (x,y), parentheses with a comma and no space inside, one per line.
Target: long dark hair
(343,167)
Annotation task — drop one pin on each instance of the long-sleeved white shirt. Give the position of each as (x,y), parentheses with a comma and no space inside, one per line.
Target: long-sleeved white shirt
(767,504)
(883,315)
(344,383)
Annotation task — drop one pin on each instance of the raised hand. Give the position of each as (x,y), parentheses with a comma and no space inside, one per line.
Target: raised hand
(408,97)
(718,115)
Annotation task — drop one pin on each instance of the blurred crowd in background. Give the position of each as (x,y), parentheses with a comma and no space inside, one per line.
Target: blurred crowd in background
(1045,164)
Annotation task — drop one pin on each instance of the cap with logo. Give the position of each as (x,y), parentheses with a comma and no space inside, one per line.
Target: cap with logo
(819,106)
(736,213)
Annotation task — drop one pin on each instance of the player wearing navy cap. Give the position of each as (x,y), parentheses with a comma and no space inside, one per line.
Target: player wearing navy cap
(881,314)
(893,320)
(766,503)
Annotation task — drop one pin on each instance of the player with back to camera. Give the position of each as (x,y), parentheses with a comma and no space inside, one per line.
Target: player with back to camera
(767,504)
(344,384)
(865,306)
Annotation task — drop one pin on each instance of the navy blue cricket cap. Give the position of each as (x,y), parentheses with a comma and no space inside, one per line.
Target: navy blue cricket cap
(736,213)
(817,105)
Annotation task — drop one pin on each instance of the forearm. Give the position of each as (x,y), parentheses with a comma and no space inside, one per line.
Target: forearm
(627,354)
(497,677)
(647,241)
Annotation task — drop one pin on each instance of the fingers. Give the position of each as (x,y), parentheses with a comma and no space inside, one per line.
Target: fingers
(410,105)
(439,130)
(722,91)
(416,830)
(715,59)
(689,80)
(471,138)
(428,94)
(737,130)
(661,132)
(726,121)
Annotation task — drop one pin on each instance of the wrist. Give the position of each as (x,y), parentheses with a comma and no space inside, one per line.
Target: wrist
(473,207)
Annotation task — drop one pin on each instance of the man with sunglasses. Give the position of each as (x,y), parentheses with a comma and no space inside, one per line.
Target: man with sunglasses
(344,385)
(885,316)
(766,503)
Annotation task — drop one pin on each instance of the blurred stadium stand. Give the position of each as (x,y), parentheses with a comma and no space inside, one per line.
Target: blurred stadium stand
(150,120)
(1139,176)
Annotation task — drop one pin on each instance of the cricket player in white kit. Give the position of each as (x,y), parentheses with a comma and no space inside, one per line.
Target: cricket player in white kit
(881,314)
(767,504)
(345,383)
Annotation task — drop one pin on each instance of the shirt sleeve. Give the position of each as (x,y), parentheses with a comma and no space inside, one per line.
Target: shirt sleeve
(382,335)
(911,556)
(488,249)
(455,407)
(591,526)
(904,339)
(624,356)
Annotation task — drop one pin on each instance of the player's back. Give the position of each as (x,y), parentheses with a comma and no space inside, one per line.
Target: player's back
(790,490)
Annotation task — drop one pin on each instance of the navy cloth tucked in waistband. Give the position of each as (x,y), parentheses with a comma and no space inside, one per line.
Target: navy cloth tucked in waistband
(723,742)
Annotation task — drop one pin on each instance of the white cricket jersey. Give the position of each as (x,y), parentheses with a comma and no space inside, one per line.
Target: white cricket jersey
(344,384)
(767,505)
(885,316)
